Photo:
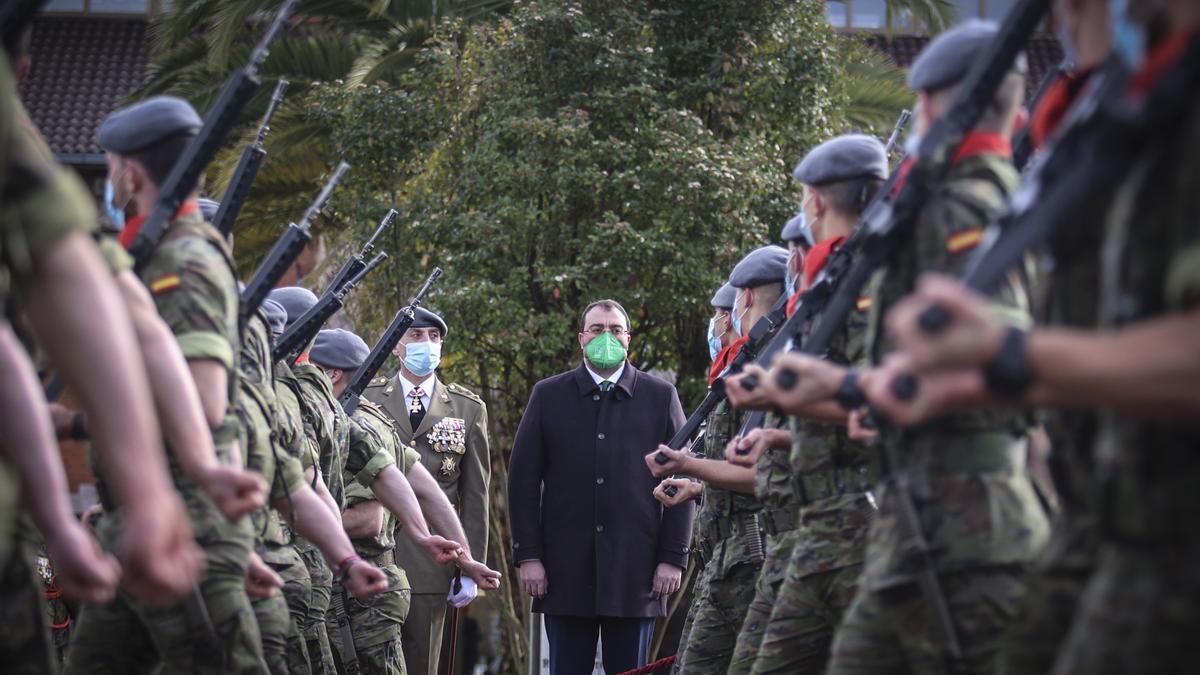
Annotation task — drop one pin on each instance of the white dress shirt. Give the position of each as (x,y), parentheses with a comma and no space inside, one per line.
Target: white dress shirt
(426,388)
(612,378)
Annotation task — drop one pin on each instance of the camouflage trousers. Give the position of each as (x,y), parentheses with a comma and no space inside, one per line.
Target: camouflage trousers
(279,617)
(715,618)
(375,625)
(124,637)
(892,630)
(25,644)
(766,591)
(1140,613)
(1055,590)
(316,636)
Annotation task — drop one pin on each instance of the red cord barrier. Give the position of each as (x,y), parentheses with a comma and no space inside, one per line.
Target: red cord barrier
(658,666)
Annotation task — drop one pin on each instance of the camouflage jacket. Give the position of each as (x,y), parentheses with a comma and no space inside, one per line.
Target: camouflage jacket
(723,514)
(373,447)
(329,423)
(976,501)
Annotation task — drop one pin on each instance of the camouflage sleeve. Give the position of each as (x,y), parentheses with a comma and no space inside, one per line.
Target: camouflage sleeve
(41,202)
(951,223)
(116,258)
(409,457)
(288,475)
(196,295)
(367,455)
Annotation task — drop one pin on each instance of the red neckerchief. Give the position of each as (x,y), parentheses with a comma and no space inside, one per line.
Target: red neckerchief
(724,357)
(792,302)
(978,143)
(303,358)
(1161,57)
(817,256)
(134,224)
(1052,109)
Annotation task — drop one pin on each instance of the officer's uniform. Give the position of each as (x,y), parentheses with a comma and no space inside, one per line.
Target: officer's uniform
(376,623)
(815,508)
(728,533)
(973,495)
(325,419)
(41,203)
(452,440)
(1141,609)
(191,278)
(268,437)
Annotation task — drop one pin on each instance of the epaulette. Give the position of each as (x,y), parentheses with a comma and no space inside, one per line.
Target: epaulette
(377,381)
(372,408)
(455,388)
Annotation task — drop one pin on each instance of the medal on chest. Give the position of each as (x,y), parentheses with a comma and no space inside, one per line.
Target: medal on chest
(449,437)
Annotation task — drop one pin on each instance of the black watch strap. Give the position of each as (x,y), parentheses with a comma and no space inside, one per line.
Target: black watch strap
(850,395)
(78,427)
(1007,375)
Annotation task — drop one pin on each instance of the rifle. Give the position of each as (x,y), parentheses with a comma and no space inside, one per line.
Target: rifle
(1104,132)
(299,334)
(901,125)
(337,603)
(287,248)
(696,449)
(247,168)
(355,264)
(186,172)
(379,353)
(887,222)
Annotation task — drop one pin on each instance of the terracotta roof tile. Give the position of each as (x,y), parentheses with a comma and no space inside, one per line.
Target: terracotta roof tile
(1043,52)
(81,69)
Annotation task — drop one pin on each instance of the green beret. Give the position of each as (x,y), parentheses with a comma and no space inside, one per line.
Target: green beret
(843,158)
(338,348)
(760,267)
(723,298)
(150,122)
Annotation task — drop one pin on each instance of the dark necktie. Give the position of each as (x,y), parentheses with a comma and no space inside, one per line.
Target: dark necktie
(416,409)
(606,385)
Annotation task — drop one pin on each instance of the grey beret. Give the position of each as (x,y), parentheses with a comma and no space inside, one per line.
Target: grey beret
(428,319)
(337,348)
(276,315)
(141,125)
(843,158)
(208,208)
(760,267)
(946,59)
(723,298)
(797,230)
(294,300)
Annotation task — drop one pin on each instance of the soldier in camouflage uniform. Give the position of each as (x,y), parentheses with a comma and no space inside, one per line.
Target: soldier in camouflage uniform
(374,476)
(813,478)
(728,534)
(1138,612)
(974,496)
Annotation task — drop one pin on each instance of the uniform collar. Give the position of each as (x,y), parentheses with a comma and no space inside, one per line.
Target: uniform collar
(729,353)
(133,226)
(426,385)
(615,377)
(978,143)
(817,256)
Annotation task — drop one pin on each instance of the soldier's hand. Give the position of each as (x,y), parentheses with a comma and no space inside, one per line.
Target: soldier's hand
(676,461)
(970,338)
(83,571)
(159,557)
(442,550)
(235,491)
(685,489)
(483,576)
(855,428)
(742,395)
(364,580)
(667,578)
(261,580)
(797,381)
(533,578)
(937,393)
(754,444)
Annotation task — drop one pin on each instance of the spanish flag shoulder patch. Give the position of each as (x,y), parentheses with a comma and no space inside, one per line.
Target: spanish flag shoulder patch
(864,303)
(967,239)
(163,284)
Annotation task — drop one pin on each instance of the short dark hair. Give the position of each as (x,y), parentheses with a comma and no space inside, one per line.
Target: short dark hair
(160,158)
(603,304)
(850,196)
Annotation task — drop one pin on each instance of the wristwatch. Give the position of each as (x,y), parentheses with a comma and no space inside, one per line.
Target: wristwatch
(1007,375)
(849,394)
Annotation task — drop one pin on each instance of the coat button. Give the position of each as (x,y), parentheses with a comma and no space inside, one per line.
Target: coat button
(599,528)
(596,397)
(600,481)
(600,436)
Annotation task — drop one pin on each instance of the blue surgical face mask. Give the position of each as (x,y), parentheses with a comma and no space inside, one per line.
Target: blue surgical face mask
(115,213)
(1070,56)
(737,319)
(1129,39)
(714,340)
(422,358)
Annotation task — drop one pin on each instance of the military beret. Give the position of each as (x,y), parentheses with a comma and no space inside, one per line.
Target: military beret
(428,319)
(276,315)
(294,300)
(843,158)
(723,298)
(208,208)
(141,125)
(338,348)
(946,59)
(796,230)
(761,266)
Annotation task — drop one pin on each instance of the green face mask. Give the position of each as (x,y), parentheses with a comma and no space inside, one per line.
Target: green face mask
(605,351)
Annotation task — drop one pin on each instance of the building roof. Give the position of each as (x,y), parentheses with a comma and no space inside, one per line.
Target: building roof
(1043,51)
(82,68)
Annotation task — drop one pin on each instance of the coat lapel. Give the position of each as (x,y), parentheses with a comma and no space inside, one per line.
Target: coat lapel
(439,407)
(396,406)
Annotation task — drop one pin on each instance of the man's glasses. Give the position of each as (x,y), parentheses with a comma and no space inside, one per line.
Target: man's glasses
(617,330)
